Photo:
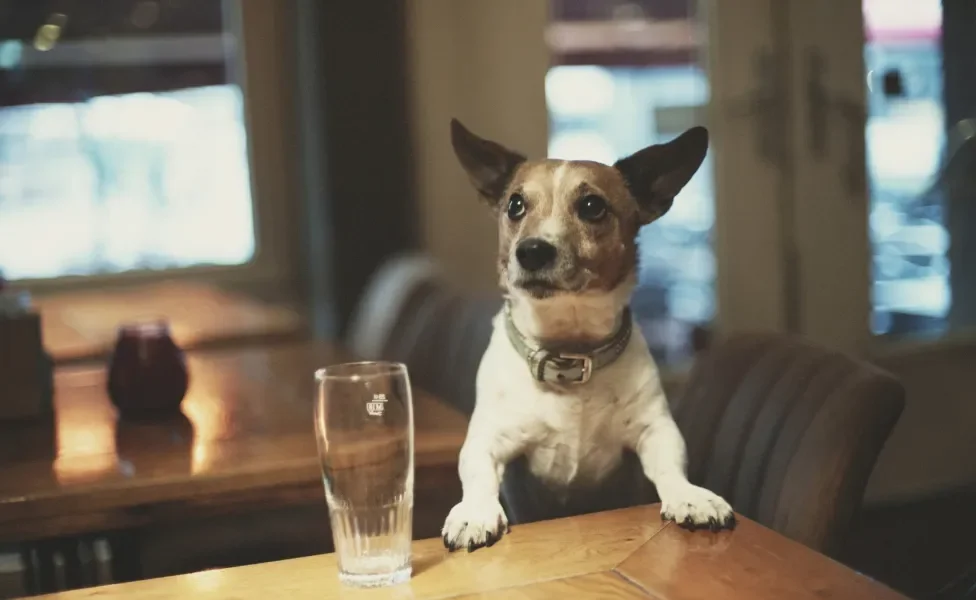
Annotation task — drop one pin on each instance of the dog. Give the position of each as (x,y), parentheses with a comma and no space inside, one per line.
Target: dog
(567,383)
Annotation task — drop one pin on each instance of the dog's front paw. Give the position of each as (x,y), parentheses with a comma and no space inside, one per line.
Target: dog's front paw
(474,524)
(693,508)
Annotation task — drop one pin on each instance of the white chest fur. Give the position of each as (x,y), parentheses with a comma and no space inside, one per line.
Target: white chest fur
(570,435)
(573,435)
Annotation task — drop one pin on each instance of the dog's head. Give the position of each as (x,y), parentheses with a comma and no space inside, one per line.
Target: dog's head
(570,227)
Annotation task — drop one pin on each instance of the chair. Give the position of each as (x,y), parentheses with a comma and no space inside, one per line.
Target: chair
(787,432)
(962,587)
(408,314)
(394,293)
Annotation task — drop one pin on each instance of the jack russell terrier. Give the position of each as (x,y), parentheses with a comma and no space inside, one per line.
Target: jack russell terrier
(567,384)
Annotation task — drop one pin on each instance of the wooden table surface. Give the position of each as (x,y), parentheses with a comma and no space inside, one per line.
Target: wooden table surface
(621,554)
(246,437)
(82,325)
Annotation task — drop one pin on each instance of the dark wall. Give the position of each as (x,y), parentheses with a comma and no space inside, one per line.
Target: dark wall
(88,20)
(588,10)
(959,65)
(356,168)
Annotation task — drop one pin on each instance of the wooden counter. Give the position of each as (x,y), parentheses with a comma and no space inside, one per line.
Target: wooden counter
(245,441)
(621,554)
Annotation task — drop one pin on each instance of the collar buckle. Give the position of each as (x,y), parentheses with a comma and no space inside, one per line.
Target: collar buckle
(568,368)
(562,368)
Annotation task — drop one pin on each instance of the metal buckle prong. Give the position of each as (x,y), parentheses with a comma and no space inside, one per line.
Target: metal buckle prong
(586,371)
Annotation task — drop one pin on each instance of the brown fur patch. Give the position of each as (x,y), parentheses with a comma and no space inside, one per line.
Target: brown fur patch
(593,256)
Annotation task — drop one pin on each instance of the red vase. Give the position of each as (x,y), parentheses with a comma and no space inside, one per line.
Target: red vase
(147,375)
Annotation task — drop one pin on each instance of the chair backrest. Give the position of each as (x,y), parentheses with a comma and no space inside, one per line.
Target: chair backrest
(408,314)
(787,432)
(394,291)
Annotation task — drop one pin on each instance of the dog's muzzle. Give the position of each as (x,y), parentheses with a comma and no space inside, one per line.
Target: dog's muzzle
(568,367)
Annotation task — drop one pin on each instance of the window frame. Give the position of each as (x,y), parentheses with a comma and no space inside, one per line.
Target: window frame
(267,84)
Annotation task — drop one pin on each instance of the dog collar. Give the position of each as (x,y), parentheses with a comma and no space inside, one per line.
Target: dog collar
(563,367)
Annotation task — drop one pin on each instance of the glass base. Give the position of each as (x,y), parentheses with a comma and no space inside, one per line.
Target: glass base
(371,580)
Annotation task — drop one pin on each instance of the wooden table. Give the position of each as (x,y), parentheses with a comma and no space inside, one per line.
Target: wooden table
(621,554)
(82,325)
(245,441)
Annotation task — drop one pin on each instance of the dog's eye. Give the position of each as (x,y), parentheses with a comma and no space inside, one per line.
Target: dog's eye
(516,207)
(592,208)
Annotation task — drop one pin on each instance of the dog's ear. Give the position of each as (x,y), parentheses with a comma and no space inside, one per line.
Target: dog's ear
(657,173)
(490,166)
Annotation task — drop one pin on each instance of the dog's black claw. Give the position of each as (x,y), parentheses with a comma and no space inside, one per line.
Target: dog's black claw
(730,522)
(713,524)
(667,516)
(491,539)
(447,544)
(688,524)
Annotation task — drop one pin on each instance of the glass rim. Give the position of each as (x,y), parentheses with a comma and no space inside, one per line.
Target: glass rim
(359,370)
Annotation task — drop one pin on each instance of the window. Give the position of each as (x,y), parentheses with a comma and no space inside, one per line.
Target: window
(905,139)
(626,75)
(123,144)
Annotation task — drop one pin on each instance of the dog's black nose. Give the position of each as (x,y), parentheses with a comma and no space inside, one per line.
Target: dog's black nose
(535,254)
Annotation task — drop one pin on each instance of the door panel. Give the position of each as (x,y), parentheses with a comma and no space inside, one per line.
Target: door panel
(829,191)
(749,111)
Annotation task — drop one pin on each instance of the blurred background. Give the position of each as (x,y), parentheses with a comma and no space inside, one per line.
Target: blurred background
(125,137)
(244,168)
